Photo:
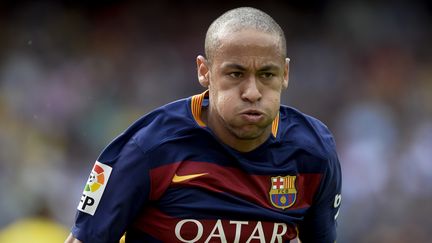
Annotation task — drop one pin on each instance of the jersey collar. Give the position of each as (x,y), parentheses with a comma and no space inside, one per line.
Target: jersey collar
(196,108)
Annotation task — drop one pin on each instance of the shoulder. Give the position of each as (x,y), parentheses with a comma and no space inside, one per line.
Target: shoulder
(312,136)
(164,123)
(306,132)
(167,122)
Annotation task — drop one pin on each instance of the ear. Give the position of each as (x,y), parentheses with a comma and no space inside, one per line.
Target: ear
(203,71)
(286,73)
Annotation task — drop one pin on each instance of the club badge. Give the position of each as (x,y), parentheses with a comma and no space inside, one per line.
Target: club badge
(283,192)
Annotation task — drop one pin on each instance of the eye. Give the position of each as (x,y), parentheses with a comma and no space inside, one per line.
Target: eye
(236,74)
(267,75)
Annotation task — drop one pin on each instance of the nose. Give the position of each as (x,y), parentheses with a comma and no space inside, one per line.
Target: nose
(250,91)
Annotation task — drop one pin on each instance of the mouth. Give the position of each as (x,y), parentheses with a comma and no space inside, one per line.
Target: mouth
(252,116)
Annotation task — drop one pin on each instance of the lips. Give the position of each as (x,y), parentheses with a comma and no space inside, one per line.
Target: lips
(252,116)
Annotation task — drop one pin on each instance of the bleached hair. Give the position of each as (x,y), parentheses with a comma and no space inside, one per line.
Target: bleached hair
(239,19)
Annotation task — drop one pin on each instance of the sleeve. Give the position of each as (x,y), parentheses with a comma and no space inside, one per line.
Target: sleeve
(117,188)
(319,224)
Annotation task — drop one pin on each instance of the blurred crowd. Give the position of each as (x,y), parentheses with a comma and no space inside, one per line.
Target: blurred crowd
(73,75)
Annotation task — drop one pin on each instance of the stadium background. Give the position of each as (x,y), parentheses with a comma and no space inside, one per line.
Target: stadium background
(74,74)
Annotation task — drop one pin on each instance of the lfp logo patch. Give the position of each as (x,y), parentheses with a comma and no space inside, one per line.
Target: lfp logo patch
(283,193)
(94,188)
(96,179)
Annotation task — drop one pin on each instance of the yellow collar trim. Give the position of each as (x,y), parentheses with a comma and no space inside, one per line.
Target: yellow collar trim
(196,105)
(275,125)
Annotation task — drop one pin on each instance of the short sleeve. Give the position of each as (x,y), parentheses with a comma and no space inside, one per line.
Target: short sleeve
(319,224)
(117,188)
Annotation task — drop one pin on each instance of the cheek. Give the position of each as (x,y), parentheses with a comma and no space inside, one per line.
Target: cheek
(276,104)
(273,102)
(225,103)
(222,101)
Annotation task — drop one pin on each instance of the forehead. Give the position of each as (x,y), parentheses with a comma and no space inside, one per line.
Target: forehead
(248,45)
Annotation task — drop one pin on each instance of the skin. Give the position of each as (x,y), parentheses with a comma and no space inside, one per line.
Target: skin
(245,78)
(72,239)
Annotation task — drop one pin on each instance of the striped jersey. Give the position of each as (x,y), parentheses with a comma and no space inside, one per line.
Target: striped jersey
(168,178)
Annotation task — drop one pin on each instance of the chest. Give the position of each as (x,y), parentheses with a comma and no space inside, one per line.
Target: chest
(206,197)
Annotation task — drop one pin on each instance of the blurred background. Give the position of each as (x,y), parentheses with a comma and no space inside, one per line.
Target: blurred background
(74,74)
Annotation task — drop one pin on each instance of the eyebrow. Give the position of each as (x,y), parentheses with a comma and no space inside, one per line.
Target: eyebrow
(233,66)
(269,67)
(242,68)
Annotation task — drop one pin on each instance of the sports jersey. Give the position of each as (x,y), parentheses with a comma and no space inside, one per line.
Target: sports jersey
(168,178)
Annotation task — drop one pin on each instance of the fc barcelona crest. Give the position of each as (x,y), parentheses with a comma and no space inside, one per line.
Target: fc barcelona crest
(283,192)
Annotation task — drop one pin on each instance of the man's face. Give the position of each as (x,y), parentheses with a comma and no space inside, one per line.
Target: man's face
(246,76)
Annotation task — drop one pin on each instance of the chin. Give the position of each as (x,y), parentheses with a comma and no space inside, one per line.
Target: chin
(248,134)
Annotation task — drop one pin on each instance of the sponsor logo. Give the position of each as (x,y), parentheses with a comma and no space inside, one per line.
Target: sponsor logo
(283,192)
(94,188)
(177,178)
(192,230)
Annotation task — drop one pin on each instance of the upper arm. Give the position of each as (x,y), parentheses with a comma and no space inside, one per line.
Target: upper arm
(115,196)
(319,224)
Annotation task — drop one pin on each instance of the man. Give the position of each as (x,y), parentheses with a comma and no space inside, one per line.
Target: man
(228,165)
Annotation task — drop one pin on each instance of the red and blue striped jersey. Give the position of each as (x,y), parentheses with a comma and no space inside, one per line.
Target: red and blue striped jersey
(167,178)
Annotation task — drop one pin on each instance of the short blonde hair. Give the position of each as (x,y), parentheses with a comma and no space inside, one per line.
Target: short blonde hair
(238,19)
